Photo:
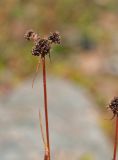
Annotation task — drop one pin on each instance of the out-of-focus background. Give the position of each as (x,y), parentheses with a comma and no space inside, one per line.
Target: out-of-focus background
(82,78)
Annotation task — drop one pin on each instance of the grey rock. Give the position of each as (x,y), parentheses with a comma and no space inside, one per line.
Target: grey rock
(73,121)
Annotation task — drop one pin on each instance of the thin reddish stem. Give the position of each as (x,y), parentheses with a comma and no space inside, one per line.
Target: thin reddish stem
(37,68)
(45,105)
(42,131)
(116,139)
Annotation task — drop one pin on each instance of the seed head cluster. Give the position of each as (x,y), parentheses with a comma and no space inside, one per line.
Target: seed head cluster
(42,46)
(31,35)
(54,38)
(114,106)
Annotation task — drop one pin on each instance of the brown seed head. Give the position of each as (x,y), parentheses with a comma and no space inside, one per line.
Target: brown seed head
(31,35)
(114,106)
(28,34)
(55,38)
(42,47)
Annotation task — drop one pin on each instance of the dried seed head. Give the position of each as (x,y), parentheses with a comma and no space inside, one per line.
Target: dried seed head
(31,35)
(55,38)
(114,106)
(28,34)
(42,47)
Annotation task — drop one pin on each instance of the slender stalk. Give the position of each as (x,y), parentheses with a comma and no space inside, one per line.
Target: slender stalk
(116,139)
(45,106)
(37,68)
(42,131)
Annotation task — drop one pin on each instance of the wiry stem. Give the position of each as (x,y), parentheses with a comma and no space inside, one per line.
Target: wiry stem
(45,106)
(116,139)
(42,131)
(37,68)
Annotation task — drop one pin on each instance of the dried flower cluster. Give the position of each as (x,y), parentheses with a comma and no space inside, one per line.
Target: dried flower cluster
(54,38)
(42,46)
(114,106)
(31,35)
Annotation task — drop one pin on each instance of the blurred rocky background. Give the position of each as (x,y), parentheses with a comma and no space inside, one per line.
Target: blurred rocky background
(87,59)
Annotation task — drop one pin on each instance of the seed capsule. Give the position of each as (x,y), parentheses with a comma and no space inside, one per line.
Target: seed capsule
(114,106)
(54,38)
(42,47)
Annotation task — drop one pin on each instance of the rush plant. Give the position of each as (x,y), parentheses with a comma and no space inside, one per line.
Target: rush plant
(114,108)
(41,48)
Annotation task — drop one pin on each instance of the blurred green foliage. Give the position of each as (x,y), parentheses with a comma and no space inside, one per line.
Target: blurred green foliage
(46,16)
(81,24)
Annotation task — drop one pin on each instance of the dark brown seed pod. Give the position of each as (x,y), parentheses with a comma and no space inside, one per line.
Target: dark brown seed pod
(114,106)
(55,38)
(42,47)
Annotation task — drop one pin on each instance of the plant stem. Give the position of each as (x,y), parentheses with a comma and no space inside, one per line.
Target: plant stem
(45,105)
(116,138)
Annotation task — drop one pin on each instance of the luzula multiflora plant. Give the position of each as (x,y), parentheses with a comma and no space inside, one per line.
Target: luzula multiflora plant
(114,108)
(41,48)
